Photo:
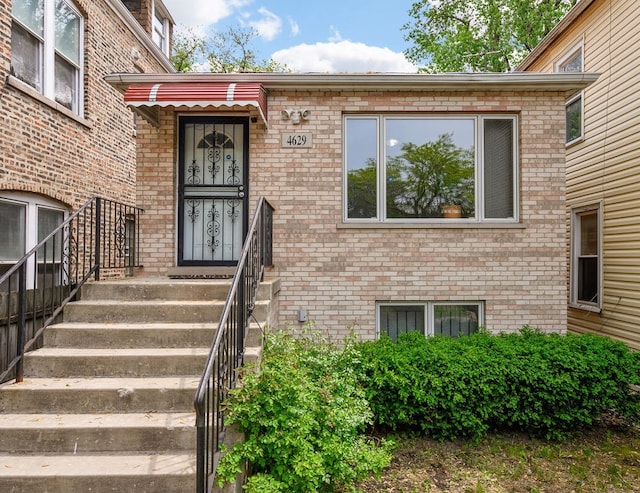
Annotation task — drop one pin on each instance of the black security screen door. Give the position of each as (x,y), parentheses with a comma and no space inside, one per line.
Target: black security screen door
(212,190)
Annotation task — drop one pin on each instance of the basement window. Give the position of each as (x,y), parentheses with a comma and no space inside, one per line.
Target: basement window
(449,319)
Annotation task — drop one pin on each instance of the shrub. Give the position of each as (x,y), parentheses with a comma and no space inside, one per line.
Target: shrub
(303,413)
(547,385)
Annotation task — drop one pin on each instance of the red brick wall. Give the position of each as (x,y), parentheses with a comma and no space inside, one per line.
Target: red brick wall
(43,150)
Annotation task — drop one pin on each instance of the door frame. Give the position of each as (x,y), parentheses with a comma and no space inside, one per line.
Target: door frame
(182,120)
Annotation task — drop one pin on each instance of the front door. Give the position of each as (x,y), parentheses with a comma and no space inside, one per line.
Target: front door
(212,190)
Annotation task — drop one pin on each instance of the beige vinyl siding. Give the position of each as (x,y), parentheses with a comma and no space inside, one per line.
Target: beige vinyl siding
(605,166)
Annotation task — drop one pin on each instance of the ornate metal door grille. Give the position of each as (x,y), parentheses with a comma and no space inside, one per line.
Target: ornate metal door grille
(212,188)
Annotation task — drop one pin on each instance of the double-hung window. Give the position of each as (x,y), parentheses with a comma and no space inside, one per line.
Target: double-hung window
(451,319)
(46,49)
(573,62)
(430,167)
(586,257)
(160,30)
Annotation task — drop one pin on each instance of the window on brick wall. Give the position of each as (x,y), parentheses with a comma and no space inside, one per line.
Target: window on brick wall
(160,29)
(586,257)
(46,49)
(25,221)
(450,319)
(426,168)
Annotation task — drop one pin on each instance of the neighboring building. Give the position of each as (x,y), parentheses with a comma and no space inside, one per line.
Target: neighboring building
(603,163)
(66,136)
(359,169)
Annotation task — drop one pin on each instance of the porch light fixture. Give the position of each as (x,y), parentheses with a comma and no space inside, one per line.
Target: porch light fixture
(296,116)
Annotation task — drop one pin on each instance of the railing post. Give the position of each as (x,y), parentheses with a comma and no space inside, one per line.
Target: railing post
(22,321)
(241,314)
(98,245)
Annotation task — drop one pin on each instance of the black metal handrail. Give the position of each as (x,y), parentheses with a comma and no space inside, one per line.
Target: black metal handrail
(102,234)
(227,350)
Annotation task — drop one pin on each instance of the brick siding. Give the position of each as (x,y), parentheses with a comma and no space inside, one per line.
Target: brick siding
(44,151)
(337,272)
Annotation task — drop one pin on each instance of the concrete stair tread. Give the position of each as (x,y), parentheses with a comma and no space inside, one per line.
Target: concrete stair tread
(102,302)
(143,352)
(136,325)
(166,463)
(105,383)
(39,421)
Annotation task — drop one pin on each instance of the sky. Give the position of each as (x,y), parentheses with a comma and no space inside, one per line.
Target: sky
(310,36)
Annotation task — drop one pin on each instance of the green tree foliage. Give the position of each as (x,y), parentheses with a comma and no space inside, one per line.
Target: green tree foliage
(228,51)
(478,35)
(363,186)
(431,175)
(188,48)
(232,52)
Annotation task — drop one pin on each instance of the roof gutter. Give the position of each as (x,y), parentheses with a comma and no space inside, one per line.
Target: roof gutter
(520,81)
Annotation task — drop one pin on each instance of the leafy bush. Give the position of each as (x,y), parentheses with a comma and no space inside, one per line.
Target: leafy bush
(303,413)
(547,385)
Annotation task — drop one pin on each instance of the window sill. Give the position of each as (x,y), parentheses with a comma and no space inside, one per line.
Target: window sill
(586,308)
(574,142)
(30,91)
(431,225)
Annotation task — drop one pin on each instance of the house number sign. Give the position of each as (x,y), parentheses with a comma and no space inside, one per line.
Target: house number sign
(296,140)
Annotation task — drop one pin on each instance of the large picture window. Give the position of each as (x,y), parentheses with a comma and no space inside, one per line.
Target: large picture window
(46,49)
(586,257)
(400,168)
(450,319)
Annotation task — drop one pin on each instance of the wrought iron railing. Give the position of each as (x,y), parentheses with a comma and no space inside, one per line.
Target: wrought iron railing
(227,350)
(102,234)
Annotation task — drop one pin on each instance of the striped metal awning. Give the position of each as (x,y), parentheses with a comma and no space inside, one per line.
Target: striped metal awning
(198,94)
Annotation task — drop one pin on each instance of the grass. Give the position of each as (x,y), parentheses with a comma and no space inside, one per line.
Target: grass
(602,459)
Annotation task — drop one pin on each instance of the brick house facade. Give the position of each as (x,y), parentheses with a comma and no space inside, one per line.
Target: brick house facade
(499,270)
(66,136)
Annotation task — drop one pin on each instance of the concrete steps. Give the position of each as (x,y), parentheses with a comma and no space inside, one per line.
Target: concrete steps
(107,403)
(115,362)
(96,433)
(127,473)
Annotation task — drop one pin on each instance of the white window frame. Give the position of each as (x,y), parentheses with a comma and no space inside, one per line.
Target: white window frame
(569,55)
(479,120)
(575,98)
(429,312)
(160,37)
(559,66)
(575,235)
(48,52)
(32,204)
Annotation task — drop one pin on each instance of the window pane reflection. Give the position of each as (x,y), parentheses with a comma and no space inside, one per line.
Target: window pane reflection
(12,225)
(455,320)
(430,164)
(362,161)
(67,32)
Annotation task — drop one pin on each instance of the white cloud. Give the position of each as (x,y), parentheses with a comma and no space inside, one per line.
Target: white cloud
(293,25)
(343,56)
(269,26)
(335,37)
(201,13)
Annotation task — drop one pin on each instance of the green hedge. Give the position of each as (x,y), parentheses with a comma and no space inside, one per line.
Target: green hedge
(547,385)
